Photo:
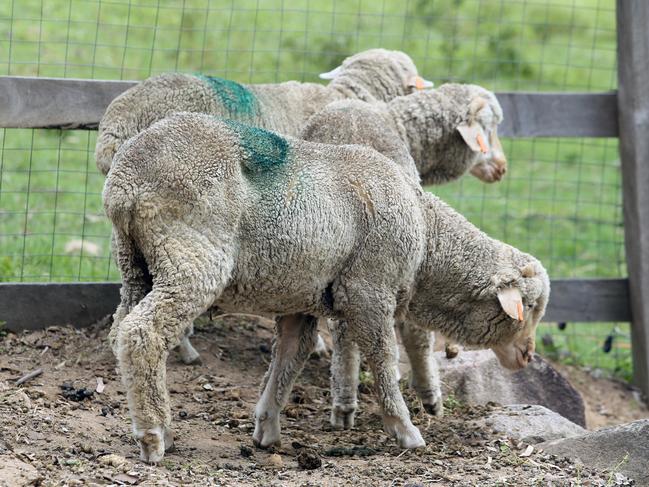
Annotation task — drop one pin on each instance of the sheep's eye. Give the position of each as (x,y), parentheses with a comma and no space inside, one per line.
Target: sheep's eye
(530,306)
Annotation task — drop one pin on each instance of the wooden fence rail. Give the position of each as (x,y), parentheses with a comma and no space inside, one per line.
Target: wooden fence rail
(76,103)
(32,306)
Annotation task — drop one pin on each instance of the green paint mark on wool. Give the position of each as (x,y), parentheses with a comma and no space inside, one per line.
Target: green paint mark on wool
(236,98)
(266,150)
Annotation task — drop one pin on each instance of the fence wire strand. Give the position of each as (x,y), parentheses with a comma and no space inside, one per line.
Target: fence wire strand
(561,199)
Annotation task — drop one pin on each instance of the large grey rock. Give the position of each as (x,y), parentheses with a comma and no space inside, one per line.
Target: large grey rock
(17,473)
(608,447)
(476,377)
(529,423)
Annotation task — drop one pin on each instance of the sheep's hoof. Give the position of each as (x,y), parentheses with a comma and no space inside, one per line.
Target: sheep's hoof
(195,360)
(406,433)
(342,417)
(321,350)
(435,408)
(267,431)
(153,443)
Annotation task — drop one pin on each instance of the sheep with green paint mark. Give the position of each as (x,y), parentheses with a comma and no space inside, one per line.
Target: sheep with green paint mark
(436,136)
(372,75)
(217,213)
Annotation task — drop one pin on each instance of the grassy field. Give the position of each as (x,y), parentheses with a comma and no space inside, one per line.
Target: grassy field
(560,200)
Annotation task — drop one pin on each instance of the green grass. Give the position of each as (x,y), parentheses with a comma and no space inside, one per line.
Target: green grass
(560,200)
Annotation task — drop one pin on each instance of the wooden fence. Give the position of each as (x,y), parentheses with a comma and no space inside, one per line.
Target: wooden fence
(27,102)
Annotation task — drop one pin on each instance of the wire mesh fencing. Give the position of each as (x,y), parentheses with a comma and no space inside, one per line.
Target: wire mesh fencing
(561,199)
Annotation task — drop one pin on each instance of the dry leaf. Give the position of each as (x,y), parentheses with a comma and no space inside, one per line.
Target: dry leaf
(528,451)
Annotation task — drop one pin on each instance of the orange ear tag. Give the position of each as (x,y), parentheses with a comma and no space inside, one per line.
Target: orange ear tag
(519,308)
(482,144)
(419,82)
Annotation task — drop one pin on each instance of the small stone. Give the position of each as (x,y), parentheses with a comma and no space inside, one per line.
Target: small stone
(263,348)
(86,448)
(246,451)
(275,460)
(112,460)
(182,414)
(309,459)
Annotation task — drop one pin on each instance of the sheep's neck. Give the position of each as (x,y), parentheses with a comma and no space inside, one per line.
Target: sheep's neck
(427,122)
(459,258)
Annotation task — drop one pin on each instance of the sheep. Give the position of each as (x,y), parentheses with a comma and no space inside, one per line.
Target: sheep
(439,127)
(447,131)
(216,212)
(375,74)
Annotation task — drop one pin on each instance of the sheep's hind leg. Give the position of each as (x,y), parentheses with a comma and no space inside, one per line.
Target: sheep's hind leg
(345,366)
(424,371)
(135,282)
(295,339)
(145,337)
(377,339)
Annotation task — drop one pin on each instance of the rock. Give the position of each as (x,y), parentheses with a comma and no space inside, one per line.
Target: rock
(246,451)
(607,448)
(17,473)
(309,459)
(112,460)
(529,423)
(275,460)
(476,377)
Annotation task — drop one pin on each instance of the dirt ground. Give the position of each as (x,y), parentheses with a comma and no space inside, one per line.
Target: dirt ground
(56,429)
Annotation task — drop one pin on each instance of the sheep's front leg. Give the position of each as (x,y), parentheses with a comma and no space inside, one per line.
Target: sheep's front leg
(345,365)
(377,339)
(188,353)
(295,339)
(425,373)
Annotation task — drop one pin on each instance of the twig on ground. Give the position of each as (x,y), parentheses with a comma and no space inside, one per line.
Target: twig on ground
(29,376)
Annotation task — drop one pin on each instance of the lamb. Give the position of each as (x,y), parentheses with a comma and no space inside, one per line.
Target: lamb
(441,128)
(215,212)
(375,74)
(372,75)
(447,131)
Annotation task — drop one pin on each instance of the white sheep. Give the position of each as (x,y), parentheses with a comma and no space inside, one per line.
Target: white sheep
(218,212)
(372,75)
(449,131)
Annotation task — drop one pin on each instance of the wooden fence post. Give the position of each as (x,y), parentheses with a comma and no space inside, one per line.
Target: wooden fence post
(633,112)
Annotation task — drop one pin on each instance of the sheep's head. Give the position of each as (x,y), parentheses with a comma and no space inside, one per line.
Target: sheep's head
(523,301)
(378,74)
(480,132)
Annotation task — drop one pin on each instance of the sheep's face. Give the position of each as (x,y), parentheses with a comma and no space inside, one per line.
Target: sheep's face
(523,301)
(480,132)
(395,68)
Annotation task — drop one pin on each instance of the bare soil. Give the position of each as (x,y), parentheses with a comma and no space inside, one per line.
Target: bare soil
(53,432)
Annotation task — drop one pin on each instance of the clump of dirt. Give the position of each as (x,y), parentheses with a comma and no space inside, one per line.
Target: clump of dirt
(55,439)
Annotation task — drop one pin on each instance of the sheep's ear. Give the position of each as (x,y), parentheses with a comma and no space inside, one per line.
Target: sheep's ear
(477,104)
(511,302)
(474,136)
(419,83)
(528,270)
(331,74)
